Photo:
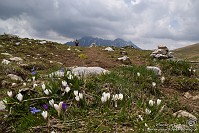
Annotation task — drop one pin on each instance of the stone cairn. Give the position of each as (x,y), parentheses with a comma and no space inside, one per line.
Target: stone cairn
(162,53)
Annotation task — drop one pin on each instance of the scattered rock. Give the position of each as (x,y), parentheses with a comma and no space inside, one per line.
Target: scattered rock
(109,49)
(7,54)
(69,49)
(156,70)
(15,77)
(123,58)
(182,113)
(42,42)
(1,46)
(5,62)
(17,43)
(189,96)
(16,59)
(93,45)
(123,53)
(86,71)
(162,53)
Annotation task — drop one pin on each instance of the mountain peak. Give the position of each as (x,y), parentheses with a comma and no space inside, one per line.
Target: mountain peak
(118,42)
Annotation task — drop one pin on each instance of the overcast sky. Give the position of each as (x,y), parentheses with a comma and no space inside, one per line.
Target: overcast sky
(147,23)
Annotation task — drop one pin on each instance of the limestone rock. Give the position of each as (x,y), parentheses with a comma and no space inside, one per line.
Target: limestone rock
(109,49)
(182,113)
(123,53)
(2,106)
(15,77)
(86,71)
(93,45)
(5,62)
(162,53)
(16,59)
(6,54)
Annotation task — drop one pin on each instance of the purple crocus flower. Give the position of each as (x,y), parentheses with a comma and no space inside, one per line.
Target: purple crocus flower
(33,110)
(45,106)
(33,69)
(34,73)
(64,106)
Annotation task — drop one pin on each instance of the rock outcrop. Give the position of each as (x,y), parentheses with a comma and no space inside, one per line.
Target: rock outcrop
(162,53)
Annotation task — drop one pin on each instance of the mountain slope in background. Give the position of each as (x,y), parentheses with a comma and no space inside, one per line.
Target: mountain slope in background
(190,52)
(88,40)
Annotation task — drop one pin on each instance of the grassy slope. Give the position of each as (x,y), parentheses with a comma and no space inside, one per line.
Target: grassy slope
(97,117)
(190,52)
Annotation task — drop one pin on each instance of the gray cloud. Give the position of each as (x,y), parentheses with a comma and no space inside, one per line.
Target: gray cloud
(144,22)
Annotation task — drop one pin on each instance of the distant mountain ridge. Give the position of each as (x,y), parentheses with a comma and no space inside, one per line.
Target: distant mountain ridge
(88,40)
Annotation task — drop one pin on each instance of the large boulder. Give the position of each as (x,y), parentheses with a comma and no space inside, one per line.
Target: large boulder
(109,49)
(15,77)
(87,71)
(155,69)
(182,113)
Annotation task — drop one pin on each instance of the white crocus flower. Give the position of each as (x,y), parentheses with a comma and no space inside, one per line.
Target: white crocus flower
(151,102)
(153,84)
(139,116)
(67,89)
(43,86)
(147,111)
(33,78)
(44,114)
(64,83)
(105,97)
(138,74)
(58,108)
(81,95)
(10,94)
(34,85)
(75,92)
(19,97)
(115,98)
(51,102)
(47,92)
(77,98)
(158,102)
(120,96)
(24,84)
(162,79)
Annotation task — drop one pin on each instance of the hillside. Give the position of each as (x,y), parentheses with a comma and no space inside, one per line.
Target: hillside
(189,53)
(88,40)
(40,93)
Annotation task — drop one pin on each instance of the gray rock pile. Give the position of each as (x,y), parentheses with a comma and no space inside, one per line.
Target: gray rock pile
(162,53)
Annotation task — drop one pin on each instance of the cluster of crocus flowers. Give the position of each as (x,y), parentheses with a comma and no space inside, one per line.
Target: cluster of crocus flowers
(59,107)
(105,97)
(46,91)
(117,97)
(66,87)
(78,95)
(152,103)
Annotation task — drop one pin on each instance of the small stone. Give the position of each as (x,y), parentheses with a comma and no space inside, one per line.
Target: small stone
(2,106)
(15,77)
(16,59)
(187,95)
(182,113)
(6,54)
